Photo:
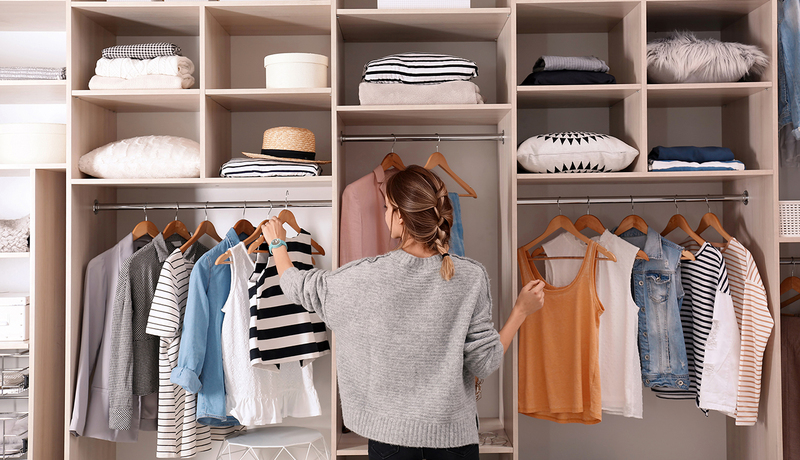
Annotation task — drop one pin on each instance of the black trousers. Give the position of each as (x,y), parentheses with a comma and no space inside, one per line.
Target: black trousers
(381,451)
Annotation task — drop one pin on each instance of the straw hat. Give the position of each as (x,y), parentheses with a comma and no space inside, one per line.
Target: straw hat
(288,144)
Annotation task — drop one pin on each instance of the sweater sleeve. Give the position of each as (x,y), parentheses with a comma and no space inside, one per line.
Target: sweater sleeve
(308,288)
(483,351)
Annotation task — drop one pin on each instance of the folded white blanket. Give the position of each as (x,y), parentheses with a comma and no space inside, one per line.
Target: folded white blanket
(675,165)
(144,82)
(132,68)
(452,92)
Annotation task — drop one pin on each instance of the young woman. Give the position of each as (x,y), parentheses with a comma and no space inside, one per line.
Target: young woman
(413,327)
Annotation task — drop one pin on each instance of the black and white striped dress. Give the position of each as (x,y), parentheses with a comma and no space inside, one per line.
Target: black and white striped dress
(280,331)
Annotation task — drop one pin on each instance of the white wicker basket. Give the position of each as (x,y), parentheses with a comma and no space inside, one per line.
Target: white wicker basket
(789,212)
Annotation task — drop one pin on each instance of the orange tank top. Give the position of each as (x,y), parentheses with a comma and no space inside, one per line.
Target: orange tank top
(559,370)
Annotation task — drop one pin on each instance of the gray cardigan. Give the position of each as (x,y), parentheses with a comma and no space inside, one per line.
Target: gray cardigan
(408,344)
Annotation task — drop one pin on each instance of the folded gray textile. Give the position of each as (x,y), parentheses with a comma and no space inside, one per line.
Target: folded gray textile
(583,63)
(33,73)
(142,51)
(452,92)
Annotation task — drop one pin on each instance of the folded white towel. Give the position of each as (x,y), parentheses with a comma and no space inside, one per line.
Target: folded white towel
(132,68)
(144,82)
(452,92)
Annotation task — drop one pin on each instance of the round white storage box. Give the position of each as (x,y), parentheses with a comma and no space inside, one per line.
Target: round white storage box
(33,143)
(296,70)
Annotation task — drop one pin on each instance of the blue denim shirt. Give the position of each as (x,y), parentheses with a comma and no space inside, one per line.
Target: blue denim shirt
(199,368)
(457,230)
(657,291)
(789,64)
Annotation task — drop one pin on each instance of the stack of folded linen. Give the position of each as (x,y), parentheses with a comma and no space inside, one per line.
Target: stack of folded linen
(569,70)
(419,79)
(143,66)
(252,167)
(693,159)
(33,73)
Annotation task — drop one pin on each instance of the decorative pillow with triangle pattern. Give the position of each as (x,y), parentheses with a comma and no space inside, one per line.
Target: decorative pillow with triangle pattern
(575,152)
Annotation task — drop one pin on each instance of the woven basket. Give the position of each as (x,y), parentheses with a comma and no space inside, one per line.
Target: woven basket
(789,212)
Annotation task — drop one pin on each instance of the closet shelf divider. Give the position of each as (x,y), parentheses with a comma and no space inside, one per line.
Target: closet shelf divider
(143,100)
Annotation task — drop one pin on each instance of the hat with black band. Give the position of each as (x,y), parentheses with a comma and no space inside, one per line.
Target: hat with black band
(288,144)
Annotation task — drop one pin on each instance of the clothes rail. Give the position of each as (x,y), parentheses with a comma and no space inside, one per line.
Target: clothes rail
(210,205)
(790,261)
(744,198)
(501,136)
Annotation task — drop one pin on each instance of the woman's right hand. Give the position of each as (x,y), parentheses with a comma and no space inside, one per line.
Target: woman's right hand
(531,298)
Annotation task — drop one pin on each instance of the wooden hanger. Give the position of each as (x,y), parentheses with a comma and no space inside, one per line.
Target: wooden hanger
(791,283)
(243,226)
(145,227)
(562,222)
(437,159)
(286,217)
(711,220)
(635,221)
(678,221)
(254,233)
(176,226)
(392,160)
(205,228)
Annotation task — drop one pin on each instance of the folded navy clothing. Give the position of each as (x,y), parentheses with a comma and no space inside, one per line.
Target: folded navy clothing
(693,154)
(568,77)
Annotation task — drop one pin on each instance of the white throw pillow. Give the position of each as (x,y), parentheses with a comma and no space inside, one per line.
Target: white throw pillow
(14,234)
(145,157)
(575,152)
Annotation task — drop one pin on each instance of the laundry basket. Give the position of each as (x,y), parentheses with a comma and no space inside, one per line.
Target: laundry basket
(789,212)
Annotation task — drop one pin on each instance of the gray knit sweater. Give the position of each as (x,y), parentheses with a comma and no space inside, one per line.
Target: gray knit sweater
(408,344)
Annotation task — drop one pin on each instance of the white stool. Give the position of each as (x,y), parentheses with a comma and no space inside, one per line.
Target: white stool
(278,437)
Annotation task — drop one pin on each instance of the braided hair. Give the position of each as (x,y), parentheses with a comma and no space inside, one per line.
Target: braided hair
(421,198)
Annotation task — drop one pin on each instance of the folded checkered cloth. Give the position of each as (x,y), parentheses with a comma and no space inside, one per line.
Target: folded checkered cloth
(582,63)
(33,73)
(251,167)
(142,51)
(419,68)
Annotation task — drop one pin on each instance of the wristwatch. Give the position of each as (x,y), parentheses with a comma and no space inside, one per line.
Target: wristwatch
(276,243)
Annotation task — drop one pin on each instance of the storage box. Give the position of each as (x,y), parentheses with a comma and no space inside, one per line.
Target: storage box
(789,218)
(296,70)
(14,316)
(419,4)
(33,143)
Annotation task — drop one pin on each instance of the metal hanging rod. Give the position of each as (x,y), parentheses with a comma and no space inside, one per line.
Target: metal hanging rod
(501,136)
(744,198)
(790,261)
(277,204)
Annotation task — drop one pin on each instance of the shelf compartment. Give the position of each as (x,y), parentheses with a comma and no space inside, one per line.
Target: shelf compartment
(566,96)
(571,16)
(420,115)
(264,100)
(33,91)
(701,94)
(214,182)
(419,25)
(31,15)
(639,177)
(145,18)
(669,15)
(143,100)
(312,17)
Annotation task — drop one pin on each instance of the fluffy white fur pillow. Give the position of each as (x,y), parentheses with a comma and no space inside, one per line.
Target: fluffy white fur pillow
(14,234)
(684,58)
(575,152)
(145,157)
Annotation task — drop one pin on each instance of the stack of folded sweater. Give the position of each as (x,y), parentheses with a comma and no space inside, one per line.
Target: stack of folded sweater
(33,73)
(254,167)
(569,70)
(143,66)
(419,78)
(693,159)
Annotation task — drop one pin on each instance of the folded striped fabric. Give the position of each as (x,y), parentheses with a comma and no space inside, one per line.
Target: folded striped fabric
(656,165)
(142,51)
(581,63)
(33,73)
(419,68)
(250,167)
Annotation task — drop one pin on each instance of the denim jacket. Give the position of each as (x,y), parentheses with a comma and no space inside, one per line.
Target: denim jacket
(199,368)
(658,293)
(789,64)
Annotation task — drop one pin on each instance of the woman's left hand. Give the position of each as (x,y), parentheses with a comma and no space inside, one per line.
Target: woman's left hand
(273,229)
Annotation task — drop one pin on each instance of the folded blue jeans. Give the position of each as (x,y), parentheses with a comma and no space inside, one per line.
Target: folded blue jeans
(689,153)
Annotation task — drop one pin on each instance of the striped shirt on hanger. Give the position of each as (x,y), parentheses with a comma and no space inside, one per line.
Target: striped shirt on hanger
(280,331)
(419,68)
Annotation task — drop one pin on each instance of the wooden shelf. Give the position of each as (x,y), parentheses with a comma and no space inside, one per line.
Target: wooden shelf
(669,15)
(789,239)
(416,115)
(701,94)
(534,17)
(547,96)
(144,18)
(15,255)
(143,100)
(442,25)
(271,100)
(32,15)
(22,345)
(640,177)
(20,170)
(212,182)
(33,91)
(311,17)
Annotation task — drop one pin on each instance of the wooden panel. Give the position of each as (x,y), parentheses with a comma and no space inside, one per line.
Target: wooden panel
(669,15)
(90,126)
(701,94)
(210,182)
(13,255)
(416,115)
(506,67)
(746,129)
(215,55)
(32,15)
(143,100)
(626,123)
(571,16)
(47,343)
(626,46)
(216,140)
(272,100)
(479,24)
(86,40)
(536,97)
(143,18)
(33,92)
(312,17)
(641,177)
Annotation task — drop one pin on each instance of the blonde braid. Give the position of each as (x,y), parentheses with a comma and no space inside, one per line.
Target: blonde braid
(442,241)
